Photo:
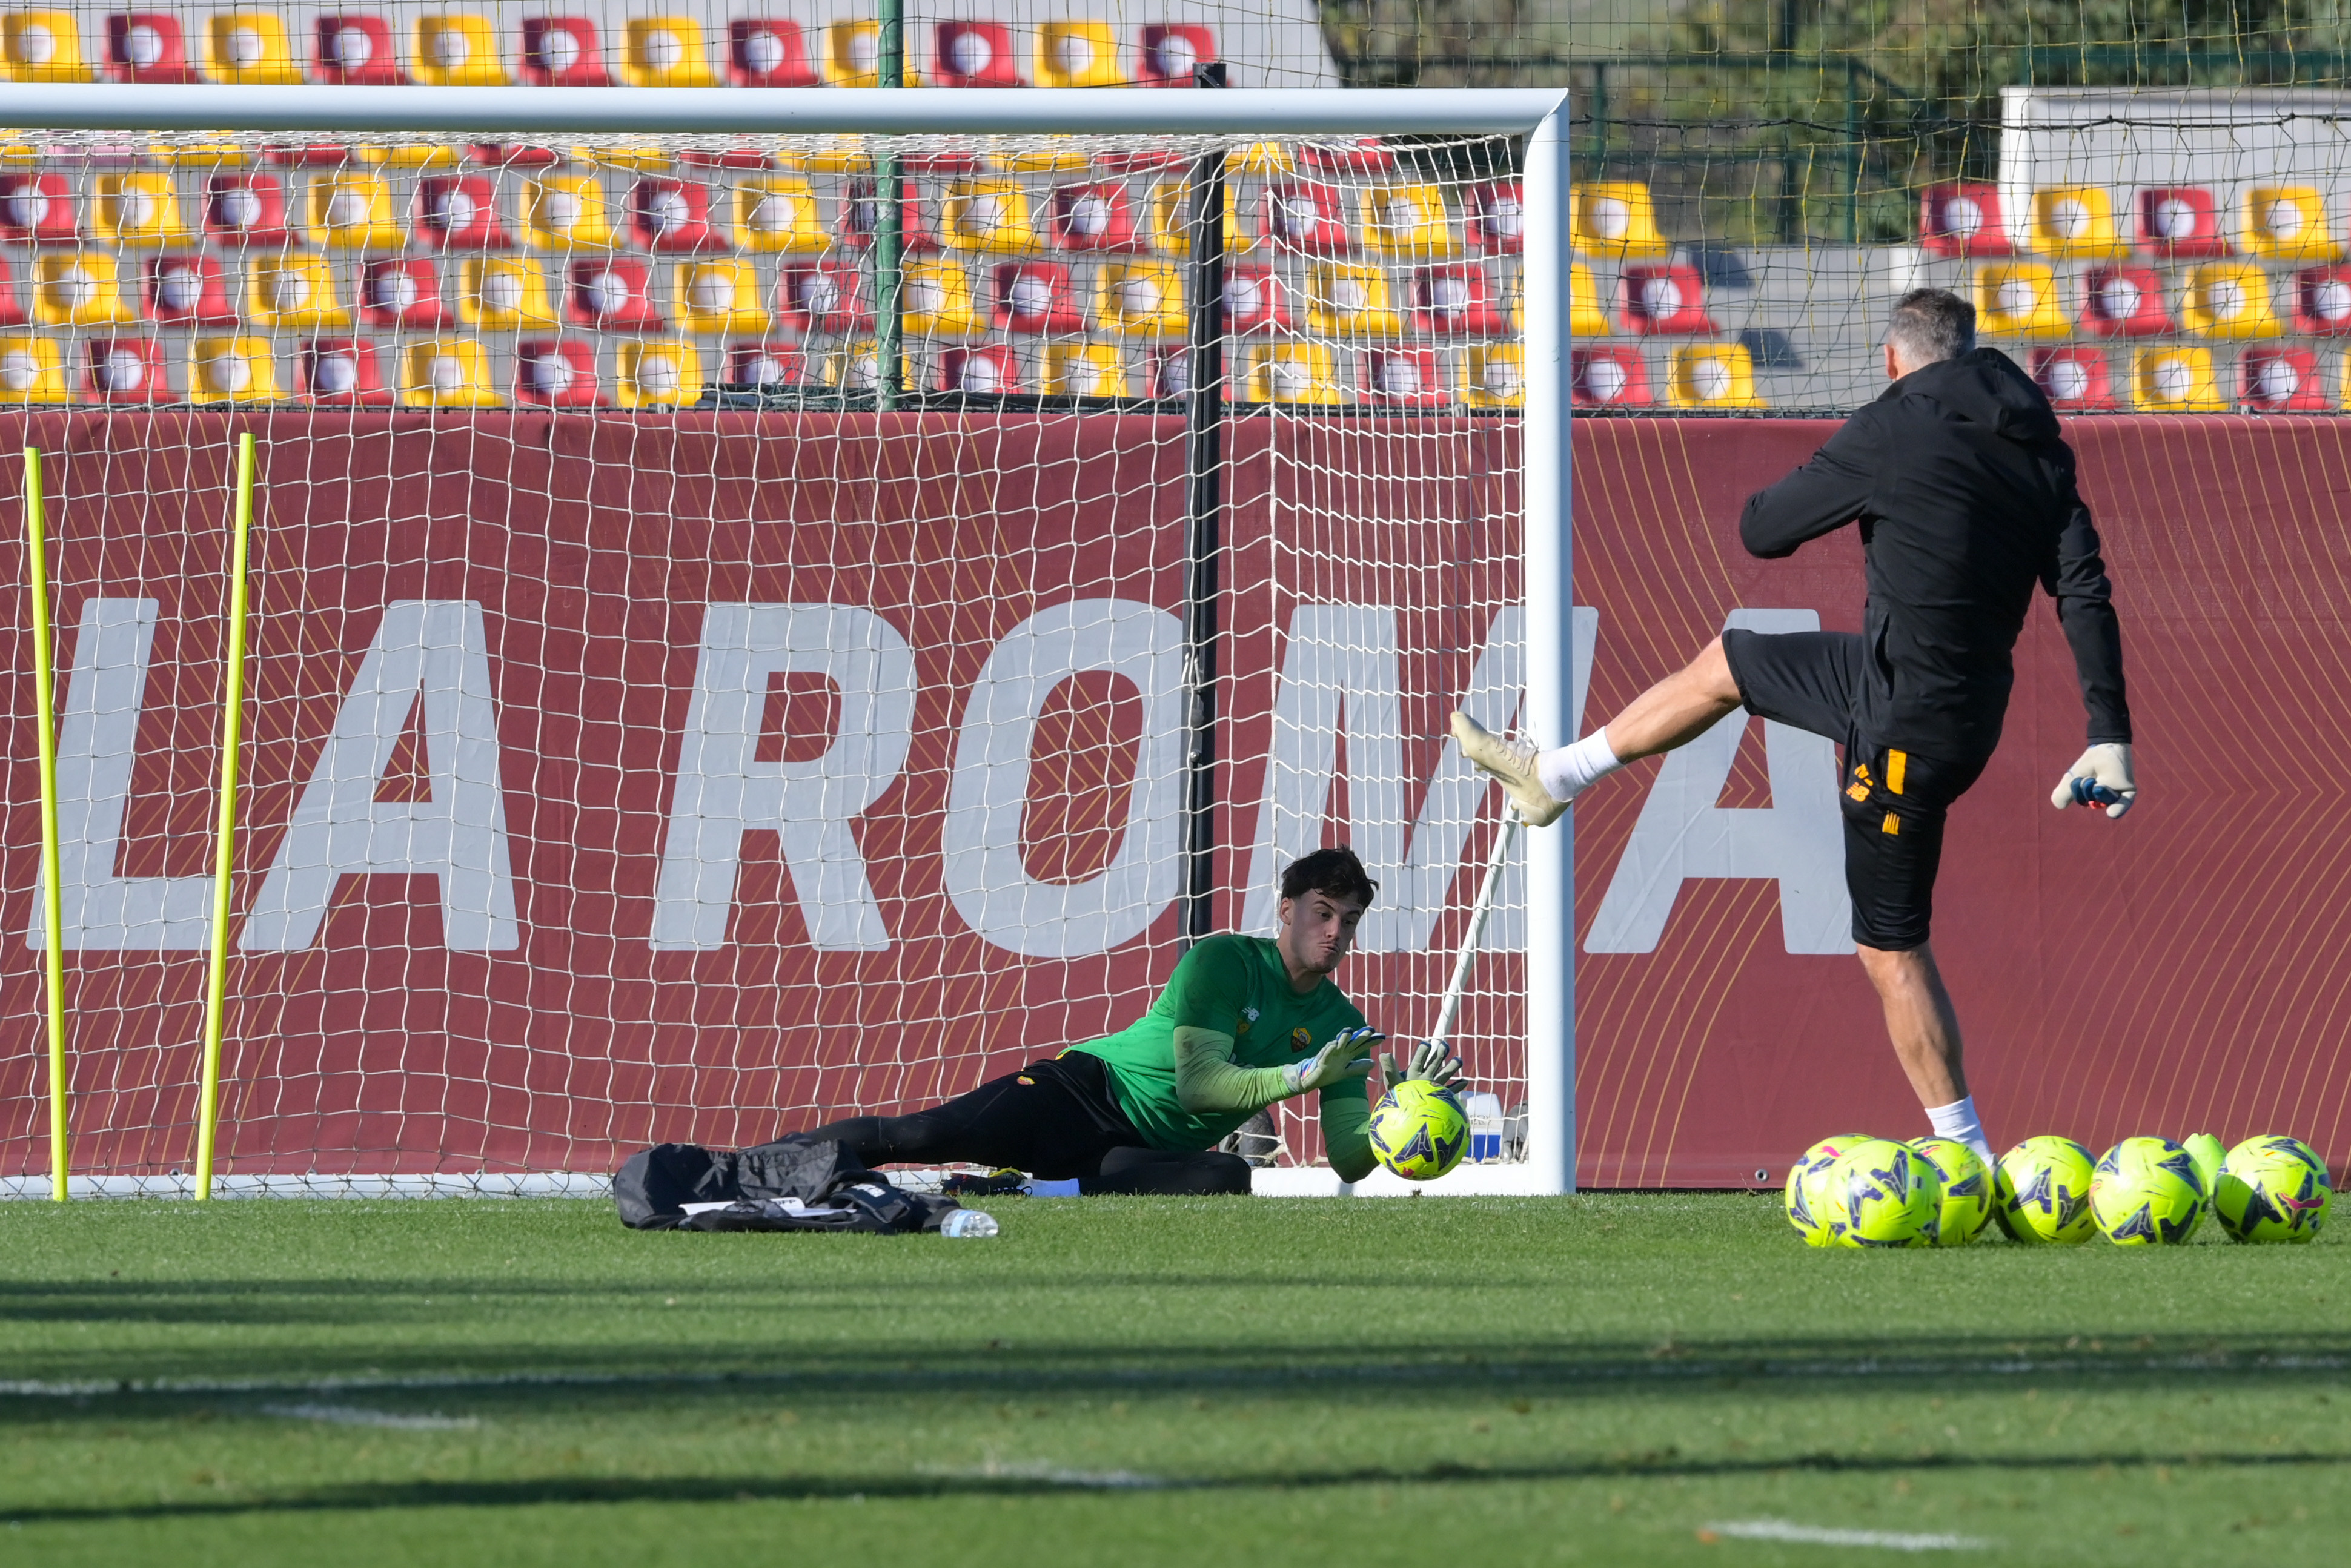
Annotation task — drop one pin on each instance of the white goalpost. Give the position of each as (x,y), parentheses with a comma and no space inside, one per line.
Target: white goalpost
(730,644)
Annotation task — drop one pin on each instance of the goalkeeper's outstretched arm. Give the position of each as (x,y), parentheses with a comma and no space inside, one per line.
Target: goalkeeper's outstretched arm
(1208,1081)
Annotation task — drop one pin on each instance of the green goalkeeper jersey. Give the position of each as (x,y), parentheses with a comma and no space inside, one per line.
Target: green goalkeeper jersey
(1236,985)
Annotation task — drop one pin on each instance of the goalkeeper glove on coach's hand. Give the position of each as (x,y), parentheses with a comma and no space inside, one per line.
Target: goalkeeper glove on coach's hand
(2102,777)
(1429,1062)
(1348,1056)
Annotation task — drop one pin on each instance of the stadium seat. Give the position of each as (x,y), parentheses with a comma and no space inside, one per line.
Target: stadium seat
(413,155)
(1585,318)
(976,53)
(1616,218)
(188,291)
(647,158)
(665,51)
(2075,221)
(355,51)
(672,215)
(232,370)
(249,48)
(2287,223)
(1663,299)
(125,369)
(79,288)
(768,366)
(11,314)
(1407,221)
(315,155)
(31,371)
(1098,217)
(403,293)
(1612,377)
(828,297)
(1255,301)
(1497,218)
(718,295)
(513,155)
(1140,300)
(565,211)
(1267,158)
(768,51)
(1170,50)
(2075,380)
(1047,155)
(1167,373)
(987,215)
(502,294)
(38,209)
(454,49)
(1963,218)
(344,373)
(777,214)
(1366,155)
(2321,300)
(1307,219)
(612,296)
(937,302)
(1084,370)
(293,291)
(2124,302)
(1171,223)
(854,227)
(2182,222)
(41,46)
(459,212)
(1078,54)
(1494,377)
(554,373)
(2280,380)
(2175,380)
(353,212)
(2019,299)
(852,56)
(1403,378)
(1292,374)
(742,157)
(1456,301)
(1712,375)
(655,375)
(1350,301)
(138,209)
(2228,300)
(446,373)
(983,371)
(563,51)
(1034,297)
(148,46)
(246,210)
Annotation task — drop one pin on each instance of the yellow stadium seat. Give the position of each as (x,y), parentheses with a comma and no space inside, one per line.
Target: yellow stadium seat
(41,46)
(199,155)
(353,212)
(721,295)
(566,212)
(665,51)
(776,214)
(827,155)
(1170,206)
(1053,155)
(1494,377)
(936,301)
(2229,299)
(1585,318)
(1293,372)
(1344,301)
(446,373)
(1140,300)
(1712,375)
(1616,218)
(293,291)
(454,49)
(138,209)
(987,215)
(232,370)
(658,374)
(852,56)
(1078,54)
(80,290)
(1260,158)
(2287,223)
(2175,380)
(2073,220)
(410,155)
(2019,299)
(503,294)
(32,370)
(1084,370)
(1407,220)
(249,48)
(645,157)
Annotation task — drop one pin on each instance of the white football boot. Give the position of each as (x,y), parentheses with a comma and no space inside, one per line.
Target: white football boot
(1512,759)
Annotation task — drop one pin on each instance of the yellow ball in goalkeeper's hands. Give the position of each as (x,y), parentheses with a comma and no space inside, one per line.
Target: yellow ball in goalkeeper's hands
(2273,1189)
(2146,1192)
(1806,1194)
(1884,1194)
(1967,1189)
(2042,1192)
(1420,1130)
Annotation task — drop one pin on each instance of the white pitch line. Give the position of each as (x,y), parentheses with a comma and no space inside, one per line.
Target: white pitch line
(1816,1535)
(359,1415)
(1091,1480)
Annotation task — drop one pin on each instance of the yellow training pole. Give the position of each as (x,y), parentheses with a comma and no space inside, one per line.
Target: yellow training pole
(45,718)
(225,848)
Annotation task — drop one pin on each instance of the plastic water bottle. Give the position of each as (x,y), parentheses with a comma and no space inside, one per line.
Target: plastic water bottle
(969,1222)
(1485,1127)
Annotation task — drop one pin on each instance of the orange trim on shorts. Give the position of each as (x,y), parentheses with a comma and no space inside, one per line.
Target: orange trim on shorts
(1896,761)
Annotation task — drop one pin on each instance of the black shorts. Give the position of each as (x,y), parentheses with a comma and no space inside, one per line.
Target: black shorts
(1894,800)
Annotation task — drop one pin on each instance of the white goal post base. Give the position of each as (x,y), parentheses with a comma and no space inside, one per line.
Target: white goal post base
(1516,1180)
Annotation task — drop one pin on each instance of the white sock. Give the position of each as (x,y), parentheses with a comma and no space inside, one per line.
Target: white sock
(1566,770)
(1958,1122)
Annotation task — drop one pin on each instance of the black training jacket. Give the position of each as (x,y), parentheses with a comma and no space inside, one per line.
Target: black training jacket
(1964,491)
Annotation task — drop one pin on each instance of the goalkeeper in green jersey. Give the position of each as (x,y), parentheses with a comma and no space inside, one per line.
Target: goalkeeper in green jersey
(1244,1021)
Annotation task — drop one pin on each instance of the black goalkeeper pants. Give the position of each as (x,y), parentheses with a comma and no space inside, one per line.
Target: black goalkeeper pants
(1055,1119)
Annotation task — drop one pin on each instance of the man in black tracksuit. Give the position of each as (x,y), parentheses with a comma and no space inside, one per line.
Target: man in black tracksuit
(1965,493)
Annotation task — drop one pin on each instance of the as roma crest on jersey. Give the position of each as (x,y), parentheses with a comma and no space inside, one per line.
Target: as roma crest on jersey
(1299,1040)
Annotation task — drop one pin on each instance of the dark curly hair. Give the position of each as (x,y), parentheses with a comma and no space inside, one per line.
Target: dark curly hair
(1334,870)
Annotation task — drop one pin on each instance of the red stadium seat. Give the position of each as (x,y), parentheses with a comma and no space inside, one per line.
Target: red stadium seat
(1169,52)
(563,51)
(246,210)
(1255,301)
(1609,378)
(1498,218)
(1035,296)
(38,209)
(1308,219)
(2180,221)
(513,155)
(1962,219)
(2124,302)
(1454,301)
(188,291)
(981,371)
(11,314)
(403,293)
(614,296)
(458,212)
(2280,380)
(765,366)
(1365,157)
(2321,300)
(344,373)
(857,212)
(2076,380)
(310,155)
(768,51)
(127,370)
(357,51)
(1403,378)
(148,46)
(829,296)
(1663,299)
(976,54)
(554,373)
(672,215)
(1094,218)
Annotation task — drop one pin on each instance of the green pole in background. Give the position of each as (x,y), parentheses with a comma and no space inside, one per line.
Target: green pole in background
(890,64)
(224,847)
(45,719)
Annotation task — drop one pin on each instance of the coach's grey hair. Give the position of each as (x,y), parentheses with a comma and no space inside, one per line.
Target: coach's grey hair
(1931,324)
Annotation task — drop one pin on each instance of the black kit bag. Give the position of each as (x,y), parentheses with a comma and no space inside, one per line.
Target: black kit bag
(793,1184)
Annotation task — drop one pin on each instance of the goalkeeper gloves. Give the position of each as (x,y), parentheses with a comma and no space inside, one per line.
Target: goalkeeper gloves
(2102,777)
(1428,1062)
(1348,1056)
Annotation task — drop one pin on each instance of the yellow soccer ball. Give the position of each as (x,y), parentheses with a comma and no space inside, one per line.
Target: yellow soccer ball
(2146,1192)
(1807,1196)
(1884,1194)
(1967,1189)
(1420,1130)
(2273,1189)
(2042,1192)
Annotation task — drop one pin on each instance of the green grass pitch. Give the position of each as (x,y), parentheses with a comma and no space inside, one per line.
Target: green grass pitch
(1604,1379)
